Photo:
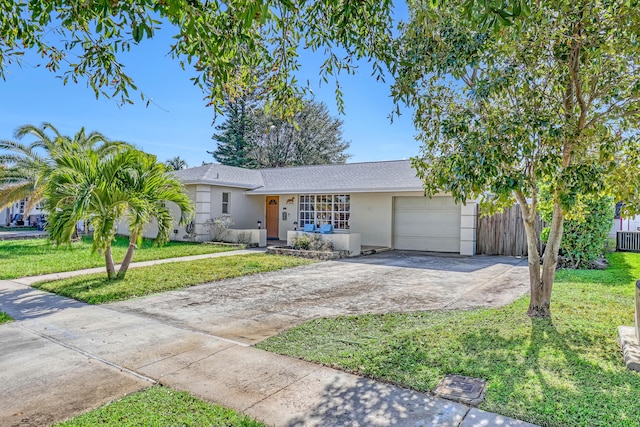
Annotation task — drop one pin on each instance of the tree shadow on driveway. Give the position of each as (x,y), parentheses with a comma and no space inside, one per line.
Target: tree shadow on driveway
(27,303)
(436,261)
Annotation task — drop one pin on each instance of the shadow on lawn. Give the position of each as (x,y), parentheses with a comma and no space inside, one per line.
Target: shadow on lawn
(17,249)
(619,273)
(554,378)
(84,288)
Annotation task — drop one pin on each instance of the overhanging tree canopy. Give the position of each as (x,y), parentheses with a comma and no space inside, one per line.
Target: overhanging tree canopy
(226,42)
(553,100)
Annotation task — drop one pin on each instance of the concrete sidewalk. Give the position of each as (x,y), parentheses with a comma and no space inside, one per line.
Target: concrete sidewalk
(30,280)
(61,358)
(18,234)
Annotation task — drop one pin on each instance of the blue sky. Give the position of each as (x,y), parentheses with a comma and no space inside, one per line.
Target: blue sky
(177,123)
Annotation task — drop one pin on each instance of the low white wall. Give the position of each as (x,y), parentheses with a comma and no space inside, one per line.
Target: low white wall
(256,236)
(351,242)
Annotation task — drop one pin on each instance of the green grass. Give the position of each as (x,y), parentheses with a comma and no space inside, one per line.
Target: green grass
(564,372)
(96,289)
(161,406)
(20,258)
(4,318)
(18,228)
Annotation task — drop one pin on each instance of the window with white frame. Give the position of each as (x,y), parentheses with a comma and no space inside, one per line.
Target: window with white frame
(321,209)
(226,199)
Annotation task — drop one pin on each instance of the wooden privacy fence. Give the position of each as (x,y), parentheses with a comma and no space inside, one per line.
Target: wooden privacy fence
(504,234)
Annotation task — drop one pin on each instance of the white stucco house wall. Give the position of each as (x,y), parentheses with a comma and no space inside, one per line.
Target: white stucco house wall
(382,201)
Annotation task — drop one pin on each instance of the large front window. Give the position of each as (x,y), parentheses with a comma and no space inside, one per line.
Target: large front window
(324,209)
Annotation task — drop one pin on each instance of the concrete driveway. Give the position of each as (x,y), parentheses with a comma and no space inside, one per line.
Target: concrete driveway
(250,309)
(61,357)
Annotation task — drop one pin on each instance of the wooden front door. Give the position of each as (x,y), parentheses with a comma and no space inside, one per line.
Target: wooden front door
(272,217)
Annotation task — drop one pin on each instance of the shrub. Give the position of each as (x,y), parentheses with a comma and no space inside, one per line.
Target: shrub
(311,242)
(301,242)
(586,229)
(244,238)
(219,227)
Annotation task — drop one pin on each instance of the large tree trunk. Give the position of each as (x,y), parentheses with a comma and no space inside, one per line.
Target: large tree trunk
(128,256)
(535,283)
(540,305)
(108,257)
(540,283)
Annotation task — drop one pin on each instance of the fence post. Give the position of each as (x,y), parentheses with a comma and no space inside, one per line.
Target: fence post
(638,311)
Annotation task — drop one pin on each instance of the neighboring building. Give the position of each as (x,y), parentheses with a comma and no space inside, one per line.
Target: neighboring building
(623,224)
(15,214)
(382,201)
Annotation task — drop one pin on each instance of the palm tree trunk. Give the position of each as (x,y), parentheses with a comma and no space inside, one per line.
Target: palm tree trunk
(128,256)
(108,257)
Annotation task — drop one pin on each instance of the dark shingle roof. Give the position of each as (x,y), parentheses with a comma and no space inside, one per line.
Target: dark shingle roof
(396,175)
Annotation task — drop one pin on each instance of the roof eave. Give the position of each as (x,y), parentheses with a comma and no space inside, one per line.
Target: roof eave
(221,184)
(263,192)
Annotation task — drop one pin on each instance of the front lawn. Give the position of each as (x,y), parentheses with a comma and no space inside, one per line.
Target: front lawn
(16,229)
(32,257)
(564,372)
(159,407)
(97,289)
(4,317)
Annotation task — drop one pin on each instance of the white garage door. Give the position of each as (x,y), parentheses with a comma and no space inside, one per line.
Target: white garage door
(424,224)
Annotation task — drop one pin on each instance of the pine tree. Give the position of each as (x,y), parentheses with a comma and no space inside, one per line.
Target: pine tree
(232,136)
(251,138)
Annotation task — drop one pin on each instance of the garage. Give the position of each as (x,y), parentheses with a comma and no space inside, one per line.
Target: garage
(424,224)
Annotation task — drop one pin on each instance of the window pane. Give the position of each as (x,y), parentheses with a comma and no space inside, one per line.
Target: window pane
(324,209)
(225,202)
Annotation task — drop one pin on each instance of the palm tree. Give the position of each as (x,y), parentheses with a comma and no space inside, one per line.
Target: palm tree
(129,184)
(176,164)
(27,166)
(150,187)
(22,168)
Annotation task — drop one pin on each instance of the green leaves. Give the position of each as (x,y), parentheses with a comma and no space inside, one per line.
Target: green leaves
(106,185)
(502,109)
(586,227)
(252,137)
(222,44)
(495,14)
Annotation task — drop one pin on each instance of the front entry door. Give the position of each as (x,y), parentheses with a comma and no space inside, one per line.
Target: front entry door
(272,217)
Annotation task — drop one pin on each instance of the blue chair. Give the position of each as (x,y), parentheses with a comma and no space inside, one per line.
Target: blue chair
(326,229)
(309,228)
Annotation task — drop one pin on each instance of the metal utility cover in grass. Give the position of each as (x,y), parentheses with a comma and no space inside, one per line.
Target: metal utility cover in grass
(461,389)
